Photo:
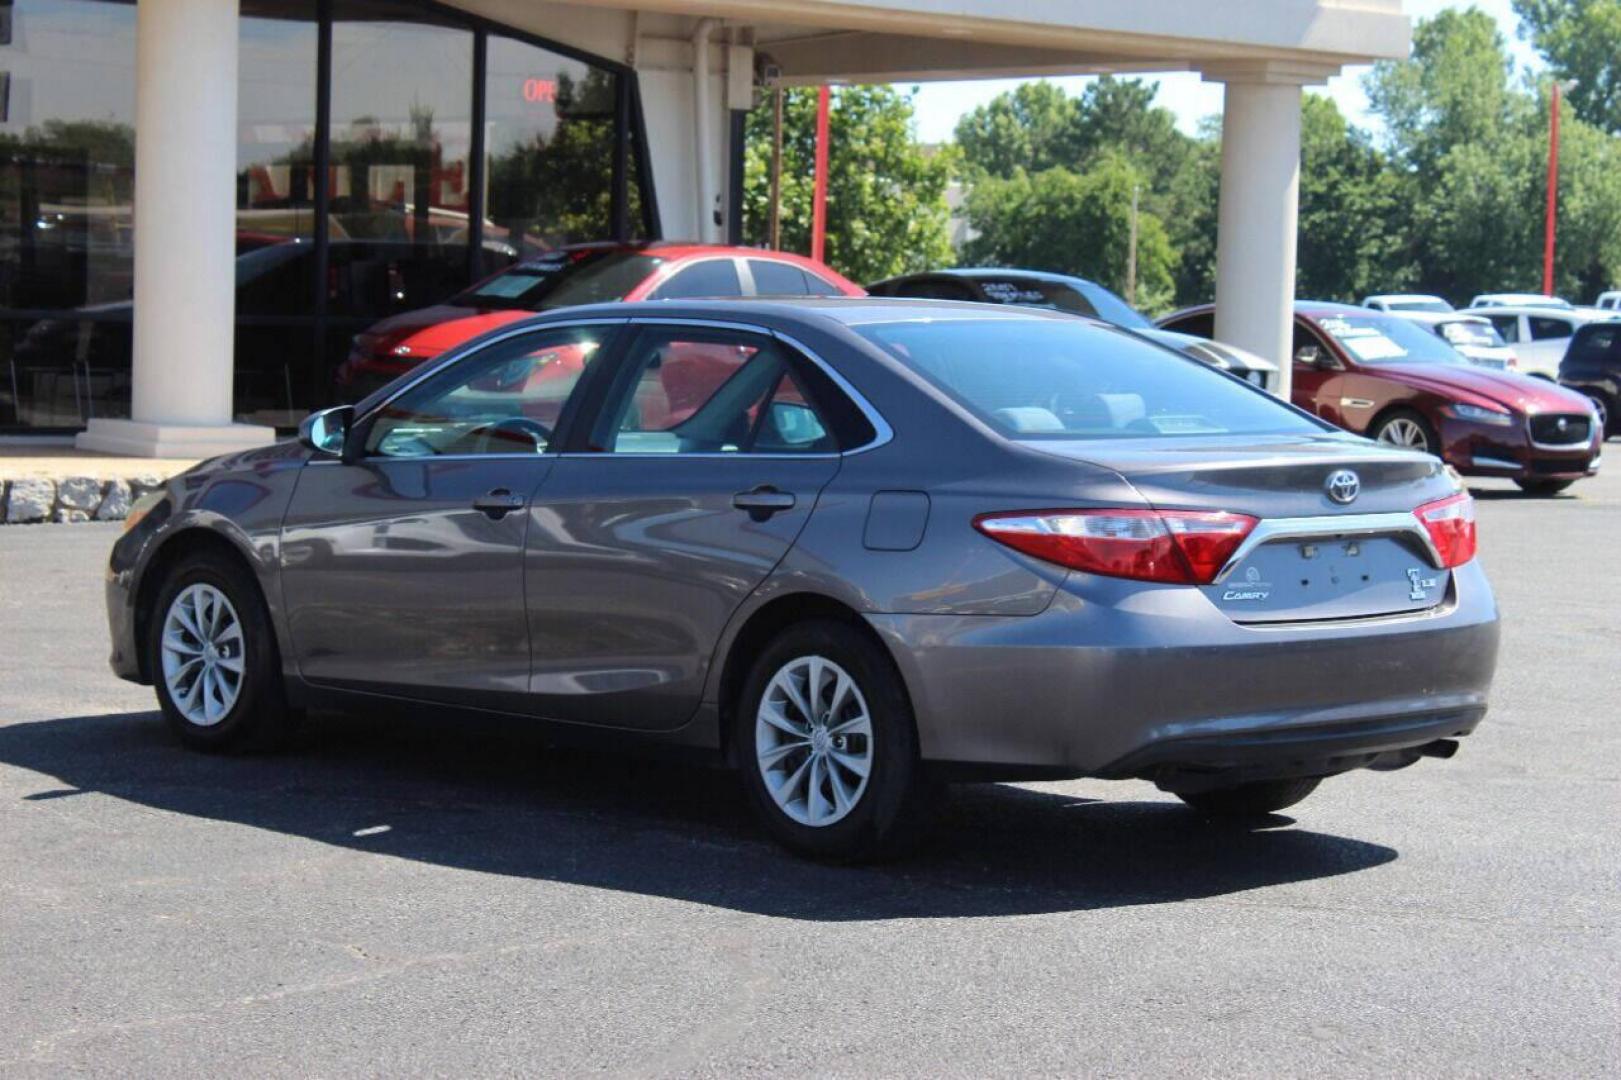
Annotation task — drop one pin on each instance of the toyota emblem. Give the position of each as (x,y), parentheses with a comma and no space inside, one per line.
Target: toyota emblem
(1343,486)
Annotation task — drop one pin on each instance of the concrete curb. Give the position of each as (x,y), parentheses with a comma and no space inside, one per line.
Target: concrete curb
(33,500)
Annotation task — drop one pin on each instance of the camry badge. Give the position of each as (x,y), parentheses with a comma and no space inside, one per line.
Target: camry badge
(1343,486)
(1419,585)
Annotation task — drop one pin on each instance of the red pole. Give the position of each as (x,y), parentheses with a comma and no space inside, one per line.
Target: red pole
(819,197)
(1553,193)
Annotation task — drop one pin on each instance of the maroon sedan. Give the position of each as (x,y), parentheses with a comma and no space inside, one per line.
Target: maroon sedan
(1383,377)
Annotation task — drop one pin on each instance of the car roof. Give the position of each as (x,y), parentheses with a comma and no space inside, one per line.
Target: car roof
(1530,309)
(1436,318)
(1405,296)
(843,310)
(681,249)
(975,273)
(1309,308)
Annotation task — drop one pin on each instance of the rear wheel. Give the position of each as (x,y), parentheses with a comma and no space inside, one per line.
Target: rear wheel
(212,655)
(1256,799)
(1602,407)
(1408,430)
(1543,487)
(828,747)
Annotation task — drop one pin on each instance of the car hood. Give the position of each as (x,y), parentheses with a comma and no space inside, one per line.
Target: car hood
(1519,392)
(430,331)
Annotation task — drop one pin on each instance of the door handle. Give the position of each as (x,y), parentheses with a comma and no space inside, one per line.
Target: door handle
(498,503)
(763,501)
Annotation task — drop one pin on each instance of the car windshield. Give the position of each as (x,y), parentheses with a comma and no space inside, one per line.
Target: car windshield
(1385,339)
(1480,335)
(562,279)
(1078,297)
(1058,379)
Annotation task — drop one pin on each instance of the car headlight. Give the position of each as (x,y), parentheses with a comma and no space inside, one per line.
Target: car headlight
(1479,414)
(142,507)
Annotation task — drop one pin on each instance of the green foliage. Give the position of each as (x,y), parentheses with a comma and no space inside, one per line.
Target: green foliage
(1077,223)
(1470,150)
(886,206)
(1582,41)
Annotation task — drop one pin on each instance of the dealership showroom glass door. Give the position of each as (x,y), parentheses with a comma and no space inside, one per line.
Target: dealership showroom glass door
(389,153)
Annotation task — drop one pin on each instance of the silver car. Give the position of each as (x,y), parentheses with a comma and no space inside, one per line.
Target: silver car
(855,547)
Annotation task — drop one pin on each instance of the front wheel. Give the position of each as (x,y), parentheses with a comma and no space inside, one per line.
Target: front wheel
(1543,487)
(1252,800)
(213,658)
(828,747)
(1408,430)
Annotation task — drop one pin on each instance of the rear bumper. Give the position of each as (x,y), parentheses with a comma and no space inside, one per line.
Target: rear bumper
(1141,680)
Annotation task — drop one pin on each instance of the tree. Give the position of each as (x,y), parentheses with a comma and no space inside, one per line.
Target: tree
(1034,128)
(1353,220)
(1470,156)
(886,205)
(1581,40)
(1074,223)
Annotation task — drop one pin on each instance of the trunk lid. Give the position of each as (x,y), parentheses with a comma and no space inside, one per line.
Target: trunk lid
(1311,557)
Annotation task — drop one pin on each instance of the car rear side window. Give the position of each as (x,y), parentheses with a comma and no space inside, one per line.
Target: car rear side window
(685,392)
(1543,329)
(1199,324)
(1598,346)
(776,279)
(1062,379)
(1508,326)
(707,279)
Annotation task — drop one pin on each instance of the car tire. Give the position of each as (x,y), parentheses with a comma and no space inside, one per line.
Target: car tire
(1252,800)
(1543,487)
(804,774)
(213,658)
(1407,429)
(1607,423)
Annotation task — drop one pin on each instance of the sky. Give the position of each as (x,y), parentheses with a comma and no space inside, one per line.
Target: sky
(940,105)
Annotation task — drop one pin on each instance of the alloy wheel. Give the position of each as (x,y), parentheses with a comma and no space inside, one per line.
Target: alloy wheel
(1405,432)
(813,741)
(202,651)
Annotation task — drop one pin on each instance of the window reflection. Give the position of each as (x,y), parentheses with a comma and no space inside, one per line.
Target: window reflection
(401,190)
(550,144)
(401,132)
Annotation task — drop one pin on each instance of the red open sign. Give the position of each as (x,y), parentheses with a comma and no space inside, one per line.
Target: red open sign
(536,91)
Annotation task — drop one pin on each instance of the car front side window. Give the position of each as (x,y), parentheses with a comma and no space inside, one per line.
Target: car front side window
(506,398)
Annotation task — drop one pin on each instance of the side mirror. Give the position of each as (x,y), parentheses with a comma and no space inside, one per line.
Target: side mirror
(1308,355)
(326,431)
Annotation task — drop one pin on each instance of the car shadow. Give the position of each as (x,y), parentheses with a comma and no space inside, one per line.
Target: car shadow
(505,803)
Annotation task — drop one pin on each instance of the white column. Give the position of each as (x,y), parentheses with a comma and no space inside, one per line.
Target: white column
(185,237)
(1258,215)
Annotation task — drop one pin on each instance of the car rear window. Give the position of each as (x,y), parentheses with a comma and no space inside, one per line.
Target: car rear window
(1596,344)
(1062,379)
(562,279)
(1467,332)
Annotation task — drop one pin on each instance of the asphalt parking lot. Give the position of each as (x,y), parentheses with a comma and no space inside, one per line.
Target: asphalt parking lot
(398,898)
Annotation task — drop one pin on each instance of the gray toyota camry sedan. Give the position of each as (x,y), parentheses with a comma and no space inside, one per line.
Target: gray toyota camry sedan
(856,547)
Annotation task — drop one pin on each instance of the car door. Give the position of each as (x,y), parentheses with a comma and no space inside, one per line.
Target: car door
(698,470)
(402,564)
(1315,385)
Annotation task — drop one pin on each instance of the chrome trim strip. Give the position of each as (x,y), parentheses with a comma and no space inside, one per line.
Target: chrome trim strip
(1356,403)
(1495,463)
(1317,528)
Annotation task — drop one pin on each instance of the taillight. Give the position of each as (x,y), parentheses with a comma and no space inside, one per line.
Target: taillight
(1182,547)
(1451,525)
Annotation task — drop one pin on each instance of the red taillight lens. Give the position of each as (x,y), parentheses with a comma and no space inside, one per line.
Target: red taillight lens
(1451,525)
(1182,547)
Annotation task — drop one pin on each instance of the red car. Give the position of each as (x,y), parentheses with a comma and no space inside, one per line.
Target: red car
(1381,376)
(578,274)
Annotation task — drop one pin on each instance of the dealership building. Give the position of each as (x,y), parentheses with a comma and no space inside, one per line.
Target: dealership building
(203,201)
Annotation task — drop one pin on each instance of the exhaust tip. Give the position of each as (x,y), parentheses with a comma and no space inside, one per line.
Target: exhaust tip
(1440,748)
